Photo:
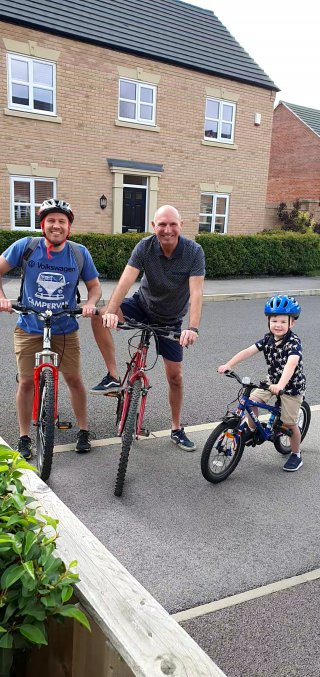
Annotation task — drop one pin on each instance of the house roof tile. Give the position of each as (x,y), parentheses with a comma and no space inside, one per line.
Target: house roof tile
(309,116)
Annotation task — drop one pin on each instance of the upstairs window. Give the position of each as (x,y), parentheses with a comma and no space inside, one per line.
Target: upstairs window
(214,209)
(27,194)
(219,120)
(31,85)
(137,102)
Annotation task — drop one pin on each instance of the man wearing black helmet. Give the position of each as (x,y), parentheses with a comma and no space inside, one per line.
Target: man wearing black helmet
(50,281)
(283,353)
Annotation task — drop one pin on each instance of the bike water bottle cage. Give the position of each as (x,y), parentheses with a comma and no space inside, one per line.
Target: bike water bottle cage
(282,305)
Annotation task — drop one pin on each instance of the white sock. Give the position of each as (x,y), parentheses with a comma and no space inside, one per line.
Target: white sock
(297,454)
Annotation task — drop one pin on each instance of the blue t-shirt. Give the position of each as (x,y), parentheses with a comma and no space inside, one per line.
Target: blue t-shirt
(49,283)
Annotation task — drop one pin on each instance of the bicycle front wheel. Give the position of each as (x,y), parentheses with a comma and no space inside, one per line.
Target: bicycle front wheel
(128,435)
(45,423)
(282,441)
(222,452)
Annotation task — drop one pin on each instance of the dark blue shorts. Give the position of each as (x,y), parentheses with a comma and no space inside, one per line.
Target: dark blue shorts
(170,350)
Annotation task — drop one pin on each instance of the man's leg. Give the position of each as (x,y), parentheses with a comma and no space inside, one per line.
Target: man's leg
(24,401)
(25,347)
(78,397)
(174,375)
(104,340)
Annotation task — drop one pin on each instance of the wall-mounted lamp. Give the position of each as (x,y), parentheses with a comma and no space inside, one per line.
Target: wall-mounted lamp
(257,119)
(103,202)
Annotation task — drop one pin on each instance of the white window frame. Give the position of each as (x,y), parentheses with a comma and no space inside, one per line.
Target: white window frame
(32,204)
(214,215)
(220,120)
(30,108)
(137,102)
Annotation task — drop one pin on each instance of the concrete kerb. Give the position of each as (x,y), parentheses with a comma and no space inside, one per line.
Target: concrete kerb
(258,295)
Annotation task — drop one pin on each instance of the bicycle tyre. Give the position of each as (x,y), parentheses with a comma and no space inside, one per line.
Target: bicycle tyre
(218,468)
(45,424)
(282,442)
(128,434)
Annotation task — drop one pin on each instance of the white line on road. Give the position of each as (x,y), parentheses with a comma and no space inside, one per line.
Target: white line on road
(255,593)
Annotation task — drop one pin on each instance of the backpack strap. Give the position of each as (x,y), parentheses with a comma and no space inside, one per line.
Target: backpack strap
(78,255)
(30,247)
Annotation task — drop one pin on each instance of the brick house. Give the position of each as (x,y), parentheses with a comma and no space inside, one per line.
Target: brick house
(120,107)
(294,171)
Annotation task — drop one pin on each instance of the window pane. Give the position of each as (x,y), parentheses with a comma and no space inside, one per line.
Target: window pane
(211,129)
(221,205)
(131,179)
(212,109)
(22,216)
(127,90)
(42,73)
(37,219)
(19,70)
(21,191)
(146,95)
(146,112)
(43,190)
(127,110)
(226,130)
(219,224)
(205,224)
(206,204)
(227,113)
(42,99)
(20,95)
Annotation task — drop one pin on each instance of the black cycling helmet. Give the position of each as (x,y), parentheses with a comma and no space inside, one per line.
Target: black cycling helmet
(53,205)
(282,305)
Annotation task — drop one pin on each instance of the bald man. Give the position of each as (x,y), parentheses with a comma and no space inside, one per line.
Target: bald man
(172,283)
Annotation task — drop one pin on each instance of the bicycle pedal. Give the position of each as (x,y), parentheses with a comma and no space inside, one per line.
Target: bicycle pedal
(144,432)
(111,394)
(63,425)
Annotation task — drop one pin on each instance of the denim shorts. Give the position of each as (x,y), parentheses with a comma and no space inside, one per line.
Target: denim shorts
(170,350)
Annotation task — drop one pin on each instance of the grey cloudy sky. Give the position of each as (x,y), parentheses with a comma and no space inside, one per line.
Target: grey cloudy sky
(282,36)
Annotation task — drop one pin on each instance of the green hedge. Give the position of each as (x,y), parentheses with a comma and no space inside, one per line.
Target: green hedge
(238,255)
(226,256)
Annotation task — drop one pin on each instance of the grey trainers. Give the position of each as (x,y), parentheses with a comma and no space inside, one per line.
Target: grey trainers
(109,384)
(179,437)
(25,447)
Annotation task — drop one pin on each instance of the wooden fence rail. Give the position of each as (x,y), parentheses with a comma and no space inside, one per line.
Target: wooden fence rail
(132,634)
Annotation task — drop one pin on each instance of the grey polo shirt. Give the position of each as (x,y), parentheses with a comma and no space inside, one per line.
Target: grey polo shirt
(164,291)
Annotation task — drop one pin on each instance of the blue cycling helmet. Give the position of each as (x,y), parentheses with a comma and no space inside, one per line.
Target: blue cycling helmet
(282,305)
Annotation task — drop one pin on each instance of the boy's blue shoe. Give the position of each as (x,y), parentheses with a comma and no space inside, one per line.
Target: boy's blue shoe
(293,463)
(179,437)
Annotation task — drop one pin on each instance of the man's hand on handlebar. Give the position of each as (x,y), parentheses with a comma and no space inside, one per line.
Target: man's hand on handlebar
(188,337)
(5,306)
(110,320)
(89,309)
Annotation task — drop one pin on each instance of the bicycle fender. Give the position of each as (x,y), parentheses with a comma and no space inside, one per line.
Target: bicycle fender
(232,419)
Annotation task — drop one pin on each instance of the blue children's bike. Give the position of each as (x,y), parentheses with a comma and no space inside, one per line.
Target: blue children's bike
(224,447)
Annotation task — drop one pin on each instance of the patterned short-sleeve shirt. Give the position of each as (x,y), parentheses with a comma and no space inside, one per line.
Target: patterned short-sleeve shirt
(277,353)
(164,291)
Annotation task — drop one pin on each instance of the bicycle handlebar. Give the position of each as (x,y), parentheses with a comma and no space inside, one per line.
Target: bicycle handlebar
(27,310)
(166,331)
(263,385)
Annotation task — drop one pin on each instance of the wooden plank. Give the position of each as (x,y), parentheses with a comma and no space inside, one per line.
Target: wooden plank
(151,643)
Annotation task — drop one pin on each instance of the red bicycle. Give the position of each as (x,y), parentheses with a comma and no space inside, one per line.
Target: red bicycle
(134,389)
(45,399)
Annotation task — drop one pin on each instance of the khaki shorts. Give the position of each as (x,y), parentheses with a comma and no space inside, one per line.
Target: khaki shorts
(290,404)
(26,345)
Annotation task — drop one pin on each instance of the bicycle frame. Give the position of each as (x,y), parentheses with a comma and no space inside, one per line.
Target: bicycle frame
(245,406)
(41,362)
(135,371)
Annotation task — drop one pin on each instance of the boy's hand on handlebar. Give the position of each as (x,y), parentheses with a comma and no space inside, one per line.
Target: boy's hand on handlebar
(5,306)
(188,337)
(275,389)
(110,320)
(223,368)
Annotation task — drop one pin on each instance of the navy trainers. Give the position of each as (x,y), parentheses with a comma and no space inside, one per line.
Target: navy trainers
(293,463)
(83,445)
(179,437)
(109,384)
(25,447)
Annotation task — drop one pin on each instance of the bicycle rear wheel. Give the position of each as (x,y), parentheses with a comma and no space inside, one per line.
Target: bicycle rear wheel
(222,452)
(128,435)
(282,441)
(45,424)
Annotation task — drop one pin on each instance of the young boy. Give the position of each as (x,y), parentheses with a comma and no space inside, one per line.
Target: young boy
(283,353)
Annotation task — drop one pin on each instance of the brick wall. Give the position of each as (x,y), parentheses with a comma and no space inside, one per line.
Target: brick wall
(294,170)
(87,100)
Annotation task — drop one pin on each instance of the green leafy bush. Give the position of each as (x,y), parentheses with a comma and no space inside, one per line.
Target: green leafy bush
(35,584)
(281,254)
(295,219)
